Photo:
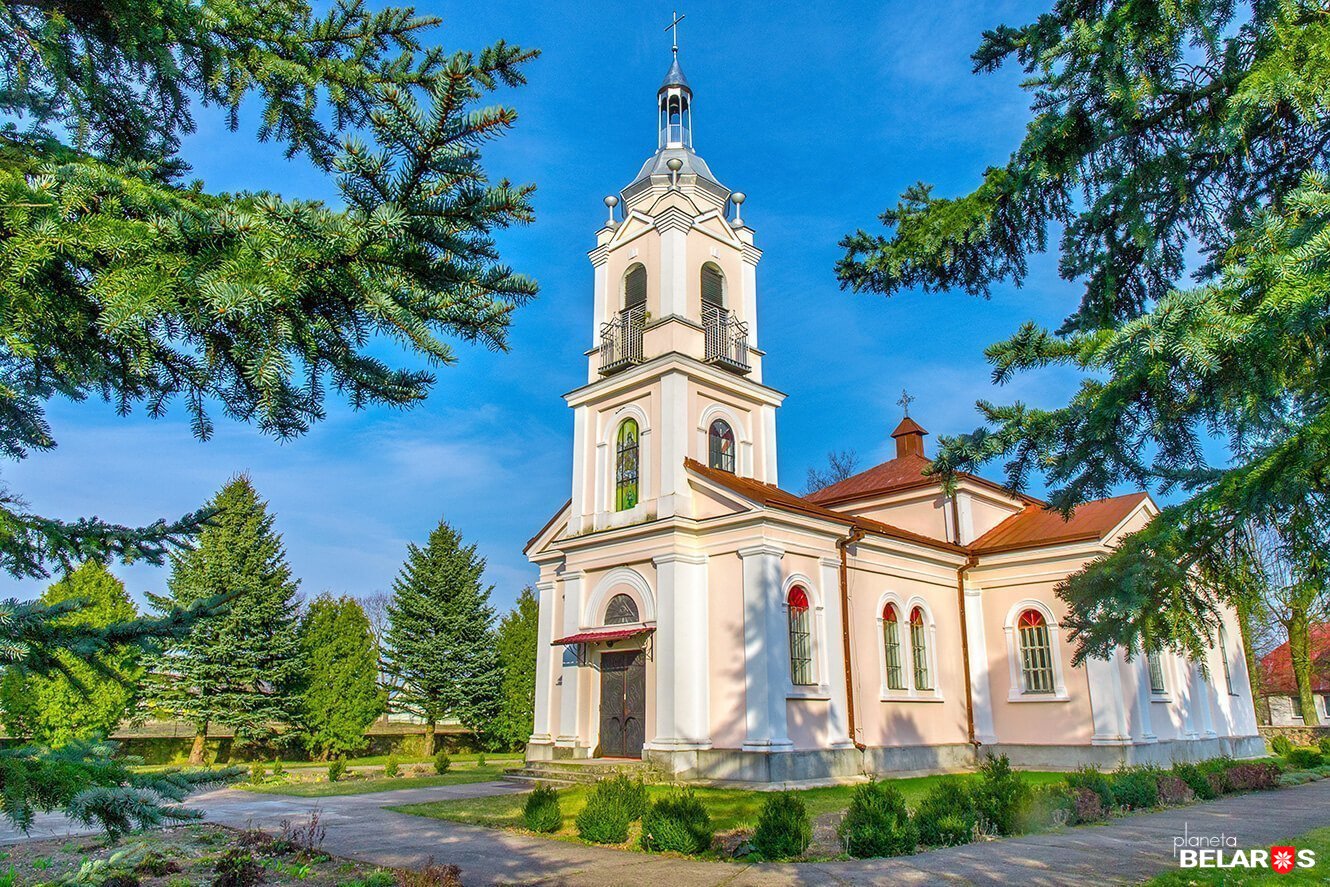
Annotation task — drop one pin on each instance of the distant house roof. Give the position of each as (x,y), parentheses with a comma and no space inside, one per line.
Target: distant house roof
(1277,665)
(774,496)
(1038,525)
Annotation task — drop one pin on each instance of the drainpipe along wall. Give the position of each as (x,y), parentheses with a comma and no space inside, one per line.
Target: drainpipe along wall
(970,561)
(855,535)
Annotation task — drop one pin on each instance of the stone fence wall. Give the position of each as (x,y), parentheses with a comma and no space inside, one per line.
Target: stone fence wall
(1298,735)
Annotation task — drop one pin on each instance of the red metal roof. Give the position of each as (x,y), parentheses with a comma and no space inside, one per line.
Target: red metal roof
(602,634)
(908,426)
(1037,525)
(1277,665)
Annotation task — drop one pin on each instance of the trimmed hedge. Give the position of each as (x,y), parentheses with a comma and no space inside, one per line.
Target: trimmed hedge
(605,818)
(1304,758)
(877,823)
(946,816)
(679,823)
(541,811)
(1136,788)
(783,830)
(1000,795)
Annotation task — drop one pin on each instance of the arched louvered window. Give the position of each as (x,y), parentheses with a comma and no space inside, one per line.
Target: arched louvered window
(919,650)
(891,644)
(801,637)
(626,466)
(1036,653)
(720,446)
(635,287)
(713,285)
(621,609)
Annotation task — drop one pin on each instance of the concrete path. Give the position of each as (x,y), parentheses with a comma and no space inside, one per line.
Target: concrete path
(1124,851)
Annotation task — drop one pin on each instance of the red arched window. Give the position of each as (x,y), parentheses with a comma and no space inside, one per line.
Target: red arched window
(919,650)
(891,643)
(801,637)
(1036,653)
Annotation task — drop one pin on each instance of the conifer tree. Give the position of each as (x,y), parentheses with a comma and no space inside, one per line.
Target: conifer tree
(340,693)
(1181,152)
(78,699)
(238,668)
(441,635)
(516,644)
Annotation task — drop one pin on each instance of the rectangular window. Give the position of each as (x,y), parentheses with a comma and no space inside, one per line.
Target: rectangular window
(891,639)
(1036,659)
(1297,706)
(1157,686)
(801,648)
(919,653)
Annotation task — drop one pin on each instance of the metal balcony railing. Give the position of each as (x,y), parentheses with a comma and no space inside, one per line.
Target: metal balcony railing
(621,340)
(726,339)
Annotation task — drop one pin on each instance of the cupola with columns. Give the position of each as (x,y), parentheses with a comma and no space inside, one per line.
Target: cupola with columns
(674,335)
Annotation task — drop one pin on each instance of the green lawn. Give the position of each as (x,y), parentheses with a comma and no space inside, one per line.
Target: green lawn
(1317,839)
(459,774)
(367,761)
(729,808)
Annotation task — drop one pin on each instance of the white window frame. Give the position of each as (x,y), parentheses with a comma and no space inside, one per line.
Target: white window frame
(1017,692)
(817,625)
(1166,694)
(904,609)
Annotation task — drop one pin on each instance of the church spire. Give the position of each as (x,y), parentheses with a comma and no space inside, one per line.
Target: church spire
(675,99)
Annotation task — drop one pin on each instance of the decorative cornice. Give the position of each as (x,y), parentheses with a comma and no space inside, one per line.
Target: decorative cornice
(751,254)
(672,218)
(679,557)
(600,255)
(766,548)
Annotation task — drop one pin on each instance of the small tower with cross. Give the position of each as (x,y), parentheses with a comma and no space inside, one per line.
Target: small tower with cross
(909,434)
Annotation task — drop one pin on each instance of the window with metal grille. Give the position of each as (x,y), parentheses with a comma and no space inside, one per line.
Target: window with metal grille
(1036,653)
(635,287)
(1223,654)
(620,609)
(720,446)
(625,467)
(891,642)
(801,638)
(919,650)
(713,286)
(1157,686)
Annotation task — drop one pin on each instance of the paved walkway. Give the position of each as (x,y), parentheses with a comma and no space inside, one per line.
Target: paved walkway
(1124,851)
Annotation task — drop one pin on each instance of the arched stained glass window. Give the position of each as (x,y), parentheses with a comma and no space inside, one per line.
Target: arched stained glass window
(891,642)
(919,650)
(801,637)
(720,446)
(635,286)
(1036,653)
(626,466)
(713,285)
(621,609)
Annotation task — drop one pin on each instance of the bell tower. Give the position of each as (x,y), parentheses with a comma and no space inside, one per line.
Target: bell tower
(673,370)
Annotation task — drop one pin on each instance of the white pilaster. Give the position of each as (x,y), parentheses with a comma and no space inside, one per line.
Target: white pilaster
(838,711)
(1106,703)
(1185,674)
(600,257)
(547,659)
(764,663)
(675,491)
(673,228)
(582,457)
(570,679)
(1145,733)
(683,697)
(981,690)
(1204,695)
(769,445)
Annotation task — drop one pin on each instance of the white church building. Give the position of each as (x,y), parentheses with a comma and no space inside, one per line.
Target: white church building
(695,614)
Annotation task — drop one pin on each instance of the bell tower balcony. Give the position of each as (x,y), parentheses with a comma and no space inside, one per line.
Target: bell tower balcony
(726,340)
(621,340)
(723,339)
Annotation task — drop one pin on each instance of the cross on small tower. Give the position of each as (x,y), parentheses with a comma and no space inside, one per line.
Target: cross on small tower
(674,26)
(905,401)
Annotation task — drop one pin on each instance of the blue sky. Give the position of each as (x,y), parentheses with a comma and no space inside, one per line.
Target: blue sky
(821,114)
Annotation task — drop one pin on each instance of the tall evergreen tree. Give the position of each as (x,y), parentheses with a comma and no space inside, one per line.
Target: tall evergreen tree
(238,668)
(80,698)
(340,692)
(441,635)
(516,643)
(1161,133)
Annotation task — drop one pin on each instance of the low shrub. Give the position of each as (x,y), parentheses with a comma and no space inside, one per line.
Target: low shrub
(1173,790)
(337,769)
(605,818)
(442,762)
(391,768)
(256,772)
(1304,758)
(156,865)
(678,822)
(1197,780)
(1295,777)
(237,867)
(631,793)
(541,811)
(1000,795)
(1050,806)
(1249,776)
(783,830)
(1096,781)
(277,769)
(1087,806)
(480,760)
(1324,746)
(1135,788)
(946,816)
(877,823)
(432,875)
(1281,745)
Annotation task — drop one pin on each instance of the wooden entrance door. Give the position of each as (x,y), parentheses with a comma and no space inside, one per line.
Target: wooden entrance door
(622,704)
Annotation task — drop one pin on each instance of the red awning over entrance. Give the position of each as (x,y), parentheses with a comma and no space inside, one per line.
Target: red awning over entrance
(603,634)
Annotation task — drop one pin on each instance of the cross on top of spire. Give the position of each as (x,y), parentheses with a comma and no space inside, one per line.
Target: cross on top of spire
(905,401)
(674,26)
